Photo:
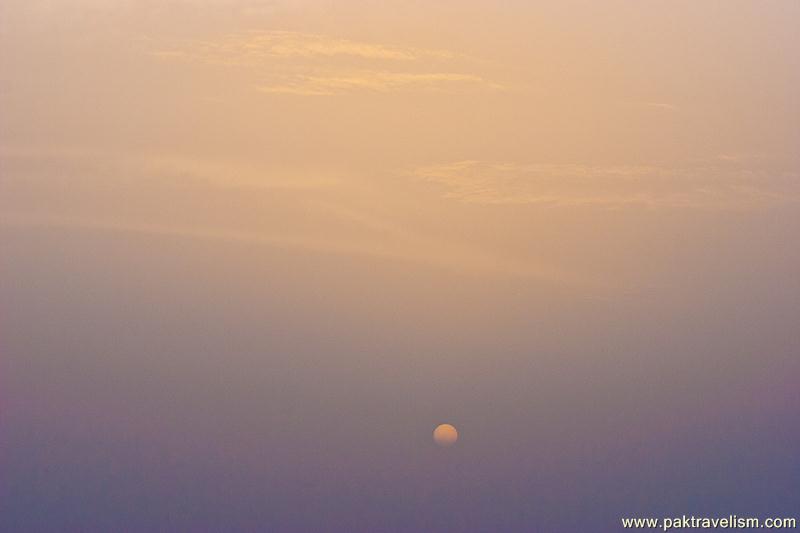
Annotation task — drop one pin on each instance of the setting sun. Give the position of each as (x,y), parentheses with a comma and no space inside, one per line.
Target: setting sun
(445,435)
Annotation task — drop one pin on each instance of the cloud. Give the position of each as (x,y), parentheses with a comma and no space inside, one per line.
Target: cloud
(739,157)
(228,173)
(78,163)
(556,185)
(437,254)
(372,81)
(255,48)
(290,44)
(663,106)
(314,65)
(212,200)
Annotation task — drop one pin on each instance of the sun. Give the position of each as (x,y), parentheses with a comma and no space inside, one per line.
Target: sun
(445,435)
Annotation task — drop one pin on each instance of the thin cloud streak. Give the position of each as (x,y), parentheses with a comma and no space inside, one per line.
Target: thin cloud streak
(168,167)
(374,81)
(664,106)
(452,258)
(254,48)
(621,186)
(317,65)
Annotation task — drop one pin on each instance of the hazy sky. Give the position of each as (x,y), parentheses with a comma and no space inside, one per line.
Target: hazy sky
(253,252)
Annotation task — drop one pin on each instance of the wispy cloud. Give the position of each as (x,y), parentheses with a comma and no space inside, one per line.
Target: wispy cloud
(437,254)
(556,185)
(662,106)
(372,81)
(313,65)
(253,48)
(200,198)
(75,163)
(740,157)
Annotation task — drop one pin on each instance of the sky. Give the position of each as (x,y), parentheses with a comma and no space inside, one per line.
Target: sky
(252,252)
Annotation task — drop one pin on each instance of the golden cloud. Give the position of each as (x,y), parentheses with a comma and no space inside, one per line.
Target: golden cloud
(313,65)
(556,185)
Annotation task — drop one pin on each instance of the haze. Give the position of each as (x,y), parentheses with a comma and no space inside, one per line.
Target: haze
(253,252)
